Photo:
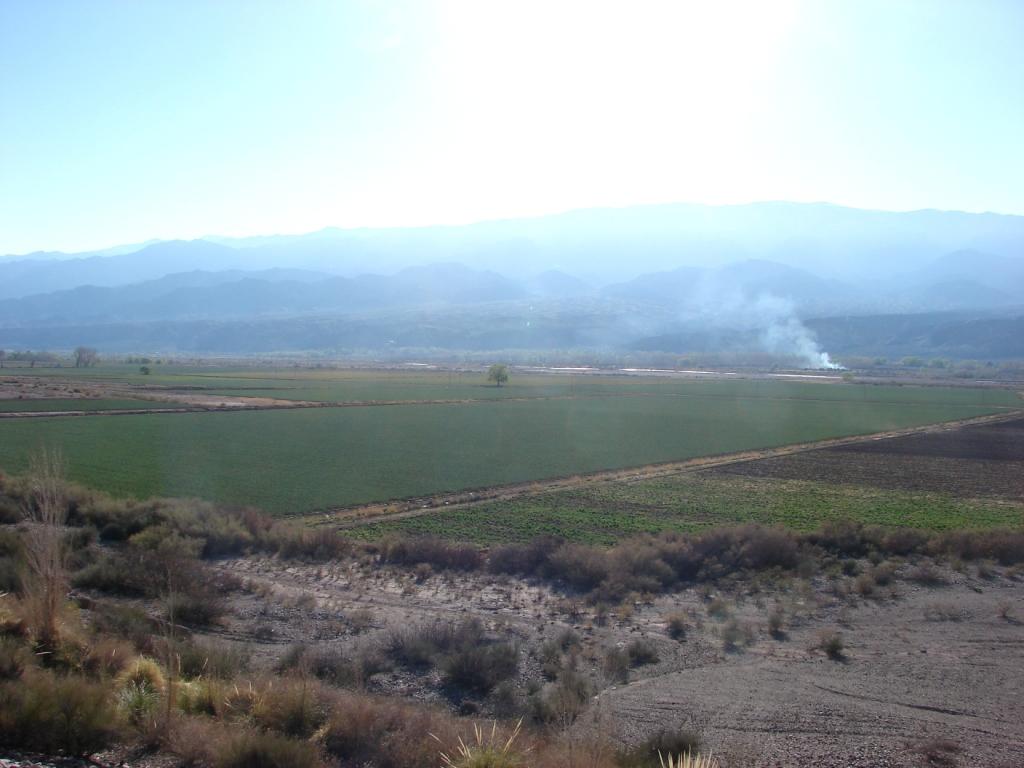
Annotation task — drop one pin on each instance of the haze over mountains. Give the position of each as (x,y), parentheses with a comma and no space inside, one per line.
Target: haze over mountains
(678,278)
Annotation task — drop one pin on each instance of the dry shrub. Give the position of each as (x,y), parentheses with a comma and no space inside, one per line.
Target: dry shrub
(523,559)
(831,644)
(479,668)
(438,553)
(616,665)
(642,652)
(142,671)
(927,575)
(940,753)
(946,612)
(677,626)
(265,750)
(1005,546)
(14,658)
(487,749)
(108,657)
(564,701)
(317,544)
(777,623)
(291,706)
(653,750)
(903,541)
(49,713)
(386,733)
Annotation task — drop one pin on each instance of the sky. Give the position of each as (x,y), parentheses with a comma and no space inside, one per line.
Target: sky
(122,121)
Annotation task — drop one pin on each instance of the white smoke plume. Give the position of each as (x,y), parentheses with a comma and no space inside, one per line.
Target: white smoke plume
(771,319)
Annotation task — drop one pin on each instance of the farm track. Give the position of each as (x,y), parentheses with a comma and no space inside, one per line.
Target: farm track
(350,517)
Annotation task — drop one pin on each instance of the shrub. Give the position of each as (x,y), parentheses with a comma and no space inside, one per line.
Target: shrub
(927,575)
(480,668)
(51,714)
(677,626)
(564,701)
(318,544)
(265,750)
(14,658)
(292,706)
(945,612)
(940,753)
(658,746)
(220,660)
(642,652)
(831,643)
(735,635)
(142,671)
(488,749)
(108,657)
(616,665)
(195,609)
(137,700)
(523,559)
(433,551)
(777,623)
(865,585)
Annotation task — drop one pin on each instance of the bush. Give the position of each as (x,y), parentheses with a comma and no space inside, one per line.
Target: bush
(480,668)
(46,713)
(831,643)
(677,626)
(777,623)
(659,746)
(318,545)
(138,701)
(265,750)
(220,660)
(642,652)
(144,672)
(292,706)
(433,551)
(616,665)
(14,658)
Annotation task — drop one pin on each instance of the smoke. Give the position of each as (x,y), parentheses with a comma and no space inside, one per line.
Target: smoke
(786,336)
(771,322)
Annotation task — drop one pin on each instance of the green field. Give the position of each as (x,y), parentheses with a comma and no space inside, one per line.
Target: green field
(294,461)
(77,404)
(606,513)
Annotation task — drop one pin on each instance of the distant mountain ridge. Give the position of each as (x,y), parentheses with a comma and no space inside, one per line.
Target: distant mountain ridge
(673,275)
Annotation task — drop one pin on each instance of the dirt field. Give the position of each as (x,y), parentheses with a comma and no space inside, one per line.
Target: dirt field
(920,665)
(977,461)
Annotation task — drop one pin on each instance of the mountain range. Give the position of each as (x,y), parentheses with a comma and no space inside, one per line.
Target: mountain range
(672,276)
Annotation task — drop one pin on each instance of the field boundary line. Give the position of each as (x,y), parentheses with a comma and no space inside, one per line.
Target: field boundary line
(400,509)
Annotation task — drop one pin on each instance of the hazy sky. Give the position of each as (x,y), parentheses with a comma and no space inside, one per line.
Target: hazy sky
(121,121)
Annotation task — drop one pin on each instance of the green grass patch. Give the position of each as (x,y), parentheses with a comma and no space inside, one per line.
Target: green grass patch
(606,513)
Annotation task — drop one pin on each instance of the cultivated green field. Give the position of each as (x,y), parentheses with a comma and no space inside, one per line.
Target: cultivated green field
(606,513)
(294,461)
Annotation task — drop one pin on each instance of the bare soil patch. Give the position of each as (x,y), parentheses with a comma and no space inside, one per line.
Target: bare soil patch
(976,461)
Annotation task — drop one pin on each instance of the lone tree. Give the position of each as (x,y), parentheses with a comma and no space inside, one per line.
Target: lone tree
(498,373)
(85,356)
